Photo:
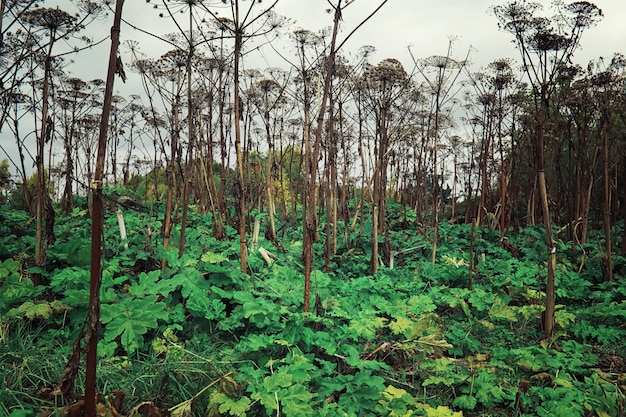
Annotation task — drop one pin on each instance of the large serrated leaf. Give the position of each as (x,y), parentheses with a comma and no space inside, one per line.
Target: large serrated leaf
(465,402)
(152,283)
(296,401)
(213,258)
(131,318)
(500,310)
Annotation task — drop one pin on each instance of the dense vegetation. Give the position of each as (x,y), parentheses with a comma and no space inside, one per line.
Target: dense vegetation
(335,238)
(412,340)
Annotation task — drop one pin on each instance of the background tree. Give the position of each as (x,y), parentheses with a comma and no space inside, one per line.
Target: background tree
(494,87)
(76,99)
(311,157)
(243,24)
(384,85)
(441,74)
(57,24)
(608,81)
(546,47)
(267,97)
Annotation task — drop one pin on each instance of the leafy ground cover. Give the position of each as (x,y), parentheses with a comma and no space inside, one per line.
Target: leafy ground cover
(198,337)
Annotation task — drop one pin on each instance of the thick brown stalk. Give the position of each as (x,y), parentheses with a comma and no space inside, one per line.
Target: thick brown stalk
(548,314)
(40,247)
(606,206)
(191,130)
(240,178)
(91,337)
(171,179)
(470,278)
(310,228)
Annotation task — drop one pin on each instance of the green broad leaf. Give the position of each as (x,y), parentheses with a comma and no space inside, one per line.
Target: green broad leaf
(217,309)
(9,267)
(465,402)
(444,297)
(393,392)
(453,261)
(353,359)
(283,272)
(362,392)
(401,325)
(488,392)
(260,311)
(320,279)
(530,364)
(440,411)
(231,406)
(213,258)
(301,368)
(70,278)
(279,379)
(500,310)
(190,281)
(152,283)
(76,252)
(38,310)
(131,318)
(296,401)
(107,296)
(487,324)
(321,339)
(255,342)
(210,309)
(12,288)
(367,325)
(481,300)
(142,255)
(107,349)
(365,378)
(174,262)
(21,413)
(395,402)
(439,380)
(111,273)
(198,304)
(421,304)
(563,317)
(563,382)
(444,365)
(37,270)
(268,392)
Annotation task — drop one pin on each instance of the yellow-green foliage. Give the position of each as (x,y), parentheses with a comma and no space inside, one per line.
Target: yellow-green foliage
(38,310)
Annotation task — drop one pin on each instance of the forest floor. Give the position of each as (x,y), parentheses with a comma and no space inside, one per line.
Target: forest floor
(198,337)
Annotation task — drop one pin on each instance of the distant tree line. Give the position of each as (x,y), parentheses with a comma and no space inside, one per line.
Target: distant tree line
(513,144)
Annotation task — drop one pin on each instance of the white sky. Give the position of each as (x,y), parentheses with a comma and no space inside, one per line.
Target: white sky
(425,25)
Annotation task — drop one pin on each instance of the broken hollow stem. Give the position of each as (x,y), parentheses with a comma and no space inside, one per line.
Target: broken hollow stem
(122,225)
(393,254)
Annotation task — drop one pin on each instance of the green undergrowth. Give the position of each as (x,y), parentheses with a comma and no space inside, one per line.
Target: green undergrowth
(200,337)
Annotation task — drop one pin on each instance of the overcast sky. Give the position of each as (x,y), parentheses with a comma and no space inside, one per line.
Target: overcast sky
(424,25)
